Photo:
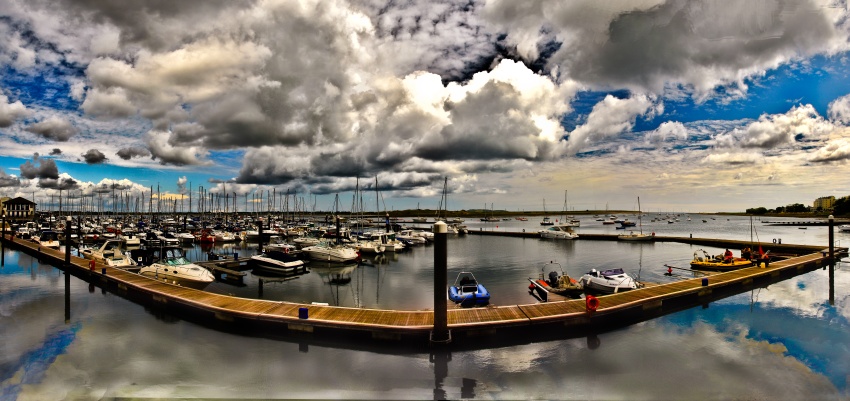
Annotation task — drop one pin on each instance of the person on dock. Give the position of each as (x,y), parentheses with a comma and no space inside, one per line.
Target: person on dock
(746,253)
(727,256)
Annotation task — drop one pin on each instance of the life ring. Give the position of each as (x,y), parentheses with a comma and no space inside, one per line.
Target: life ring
(591,303)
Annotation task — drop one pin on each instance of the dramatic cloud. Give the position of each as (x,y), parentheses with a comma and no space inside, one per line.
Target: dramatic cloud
(10,112)
(181,185)
(40,168)
(161,148)
(131,152)
(7,180)
(94,156)
(836,150)
(55,152)
(54,128)
(653,45)
(839,110)
(609,118)
(801,123)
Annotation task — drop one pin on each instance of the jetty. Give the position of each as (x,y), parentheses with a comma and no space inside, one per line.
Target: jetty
(468,327)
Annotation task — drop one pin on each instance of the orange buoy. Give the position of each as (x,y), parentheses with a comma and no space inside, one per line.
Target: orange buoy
(591,303)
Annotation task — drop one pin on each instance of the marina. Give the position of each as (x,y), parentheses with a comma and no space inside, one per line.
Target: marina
(504,322)
(391,321)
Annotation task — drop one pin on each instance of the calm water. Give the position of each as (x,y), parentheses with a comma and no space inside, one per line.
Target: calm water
(780,342)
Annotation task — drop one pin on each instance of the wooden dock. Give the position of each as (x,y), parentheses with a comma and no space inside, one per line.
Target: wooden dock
(472,327)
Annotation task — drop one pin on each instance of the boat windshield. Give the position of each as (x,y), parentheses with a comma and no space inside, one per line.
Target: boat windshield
(177,261)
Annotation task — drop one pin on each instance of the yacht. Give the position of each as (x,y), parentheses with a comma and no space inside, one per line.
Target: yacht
(171,266)
(608,281)
(558,232)
(328,252)
(109,254)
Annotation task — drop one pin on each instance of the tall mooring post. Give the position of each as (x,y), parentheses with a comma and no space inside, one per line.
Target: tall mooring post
(67,242)
(440,334)
(3,240)
(260,235)
(831,260)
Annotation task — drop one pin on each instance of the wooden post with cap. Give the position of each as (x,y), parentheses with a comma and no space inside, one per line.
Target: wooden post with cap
(831,260)
(440,334)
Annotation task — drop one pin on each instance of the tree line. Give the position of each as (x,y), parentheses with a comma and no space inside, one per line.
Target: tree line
(840,208)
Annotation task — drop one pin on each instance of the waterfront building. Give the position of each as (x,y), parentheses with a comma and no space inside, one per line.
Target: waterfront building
(18,209)
(824,203)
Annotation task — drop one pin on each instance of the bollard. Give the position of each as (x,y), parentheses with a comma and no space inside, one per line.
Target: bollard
(103,271)
(235,255)
(705,281)
(440,333)
(303,313)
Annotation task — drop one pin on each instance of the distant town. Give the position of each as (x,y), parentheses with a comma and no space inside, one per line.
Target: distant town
(824,205)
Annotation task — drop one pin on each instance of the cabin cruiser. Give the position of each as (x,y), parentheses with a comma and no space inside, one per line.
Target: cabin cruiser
(410,237)
(282,262)
(47,239)
(109,254)
(328,252)
(171,266)
(558,232)
(608,281)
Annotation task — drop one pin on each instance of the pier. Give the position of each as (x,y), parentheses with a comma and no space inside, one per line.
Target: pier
(469,327)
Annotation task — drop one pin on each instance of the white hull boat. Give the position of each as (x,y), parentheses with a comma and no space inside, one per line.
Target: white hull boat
(609,281)
(331,253)
(174,268)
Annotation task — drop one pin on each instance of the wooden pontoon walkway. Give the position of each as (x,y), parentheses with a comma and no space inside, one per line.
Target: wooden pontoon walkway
(567,318)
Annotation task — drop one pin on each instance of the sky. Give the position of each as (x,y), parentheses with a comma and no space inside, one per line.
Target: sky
(691,106)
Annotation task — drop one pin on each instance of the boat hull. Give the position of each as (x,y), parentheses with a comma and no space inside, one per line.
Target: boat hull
(479,297)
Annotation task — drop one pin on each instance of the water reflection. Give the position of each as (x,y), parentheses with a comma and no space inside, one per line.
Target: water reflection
(786,341)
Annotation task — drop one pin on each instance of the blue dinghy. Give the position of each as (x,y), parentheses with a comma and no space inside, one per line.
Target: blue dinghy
(467,292)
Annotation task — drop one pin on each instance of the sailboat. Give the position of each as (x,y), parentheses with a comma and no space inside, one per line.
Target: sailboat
(639,236)
(546,220)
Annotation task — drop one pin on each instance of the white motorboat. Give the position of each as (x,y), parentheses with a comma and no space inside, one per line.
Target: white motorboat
(325,251)
(843,228)
(185,238)
(371,247)
(279,262)
(224,236)
(109,254)
(410,237)
(558,232)
(47,239)
(172,267)
(608,281)
(303,242)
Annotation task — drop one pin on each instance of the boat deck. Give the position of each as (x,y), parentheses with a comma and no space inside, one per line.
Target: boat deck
(630,306)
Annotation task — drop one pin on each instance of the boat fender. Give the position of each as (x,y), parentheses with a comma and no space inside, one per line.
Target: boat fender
(653,233)
(530,286)
(591,303)
(91,264)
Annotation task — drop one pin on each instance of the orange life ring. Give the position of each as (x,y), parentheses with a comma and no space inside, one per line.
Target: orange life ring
(591,303)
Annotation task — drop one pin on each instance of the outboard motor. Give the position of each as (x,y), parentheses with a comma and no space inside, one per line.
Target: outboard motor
(553,279)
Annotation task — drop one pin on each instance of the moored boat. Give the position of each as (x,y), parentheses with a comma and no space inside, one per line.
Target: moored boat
(466,291)
(171,266)
(279,262)
(558,232)
(703,261)
(109,254)
(325,251)
(609,281)
(561,284)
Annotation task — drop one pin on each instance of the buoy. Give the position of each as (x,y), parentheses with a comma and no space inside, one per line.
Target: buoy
(669,270)
(591,303)
(530,286)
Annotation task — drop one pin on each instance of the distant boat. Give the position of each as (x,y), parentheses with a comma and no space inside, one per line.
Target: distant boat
(639,236)
(278,262)
(558,232)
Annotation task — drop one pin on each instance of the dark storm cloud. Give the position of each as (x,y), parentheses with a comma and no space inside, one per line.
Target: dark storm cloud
(54,128)
(94,156)
(141,21)
(55,152)
(58,183)
(40,168)
(131,152)
(7,180)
